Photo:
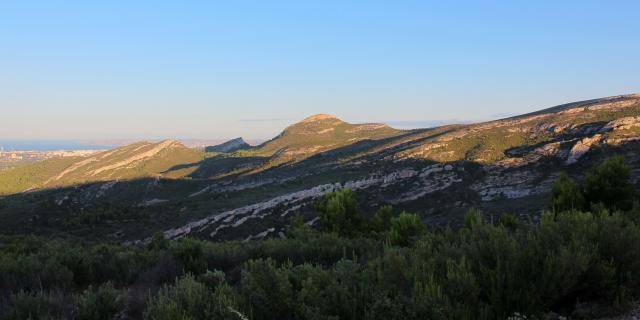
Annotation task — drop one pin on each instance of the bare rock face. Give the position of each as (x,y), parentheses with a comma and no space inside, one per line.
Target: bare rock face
(510,184)
(581,147)
(553,149)
(622,124)
(430,179)
(229,146)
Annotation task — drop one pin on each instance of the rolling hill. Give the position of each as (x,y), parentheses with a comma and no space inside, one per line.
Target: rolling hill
(142,159)
(171,159)
(320,133)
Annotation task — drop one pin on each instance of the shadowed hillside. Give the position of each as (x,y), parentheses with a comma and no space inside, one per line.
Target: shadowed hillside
(499,166)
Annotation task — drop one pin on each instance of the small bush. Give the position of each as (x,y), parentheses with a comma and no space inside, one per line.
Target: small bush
(189,299)
(381,221)
(38,305)
(101,303)
(339,213)
(566,195)
(405,228)
(267,290)
(212,279)
(608,183)
(509,221)
(472,219)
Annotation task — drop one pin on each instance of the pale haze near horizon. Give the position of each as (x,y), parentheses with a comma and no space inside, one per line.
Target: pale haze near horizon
(145,70)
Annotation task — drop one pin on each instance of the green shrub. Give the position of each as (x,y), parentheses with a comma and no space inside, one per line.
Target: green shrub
(566,195)
(381,221)
(189,299)
(101,303)
(339,213)
(189,253)
(298,228)
(608,183)
(267,290)
(473,218)
(212,279)
(405,228)
(37,305)
(509,221)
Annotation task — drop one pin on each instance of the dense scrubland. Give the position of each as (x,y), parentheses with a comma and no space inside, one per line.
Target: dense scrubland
(581,260)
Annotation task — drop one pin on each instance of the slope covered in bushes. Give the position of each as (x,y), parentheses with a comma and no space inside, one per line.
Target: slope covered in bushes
(575,262)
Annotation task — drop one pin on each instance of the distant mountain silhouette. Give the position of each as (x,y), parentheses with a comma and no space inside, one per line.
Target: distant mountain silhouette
(229,146)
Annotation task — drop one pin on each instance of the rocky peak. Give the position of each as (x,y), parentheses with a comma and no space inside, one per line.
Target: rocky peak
(229,146)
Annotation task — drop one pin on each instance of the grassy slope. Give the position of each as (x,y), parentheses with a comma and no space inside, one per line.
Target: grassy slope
(314,135)
(18,179)
(109,165)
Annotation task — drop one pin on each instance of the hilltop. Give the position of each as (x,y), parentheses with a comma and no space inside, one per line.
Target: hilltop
(319,133)
(500,166)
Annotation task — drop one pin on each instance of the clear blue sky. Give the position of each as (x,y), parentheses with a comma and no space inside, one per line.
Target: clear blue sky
(220,69)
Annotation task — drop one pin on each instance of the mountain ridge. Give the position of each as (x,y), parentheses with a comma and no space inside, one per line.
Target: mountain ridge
(505,165)
(141,159)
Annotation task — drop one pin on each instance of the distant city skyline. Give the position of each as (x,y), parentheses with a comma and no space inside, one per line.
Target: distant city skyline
(99,70)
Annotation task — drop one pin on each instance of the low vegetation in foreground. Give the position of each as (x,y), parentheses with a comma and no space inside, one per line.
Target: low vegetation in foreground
(582,261)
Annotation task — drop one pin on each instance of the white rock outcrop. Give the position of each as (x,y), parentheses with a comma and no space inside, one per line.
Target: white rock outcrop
(581,147)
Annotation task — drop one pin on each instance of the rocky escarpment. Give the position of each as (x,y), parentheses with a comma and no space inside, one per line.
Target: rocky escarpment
(424,181)
(490,142)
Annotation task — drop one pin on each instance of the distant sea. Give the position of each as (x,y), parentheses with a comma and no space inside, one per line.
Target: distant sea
(49,145)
